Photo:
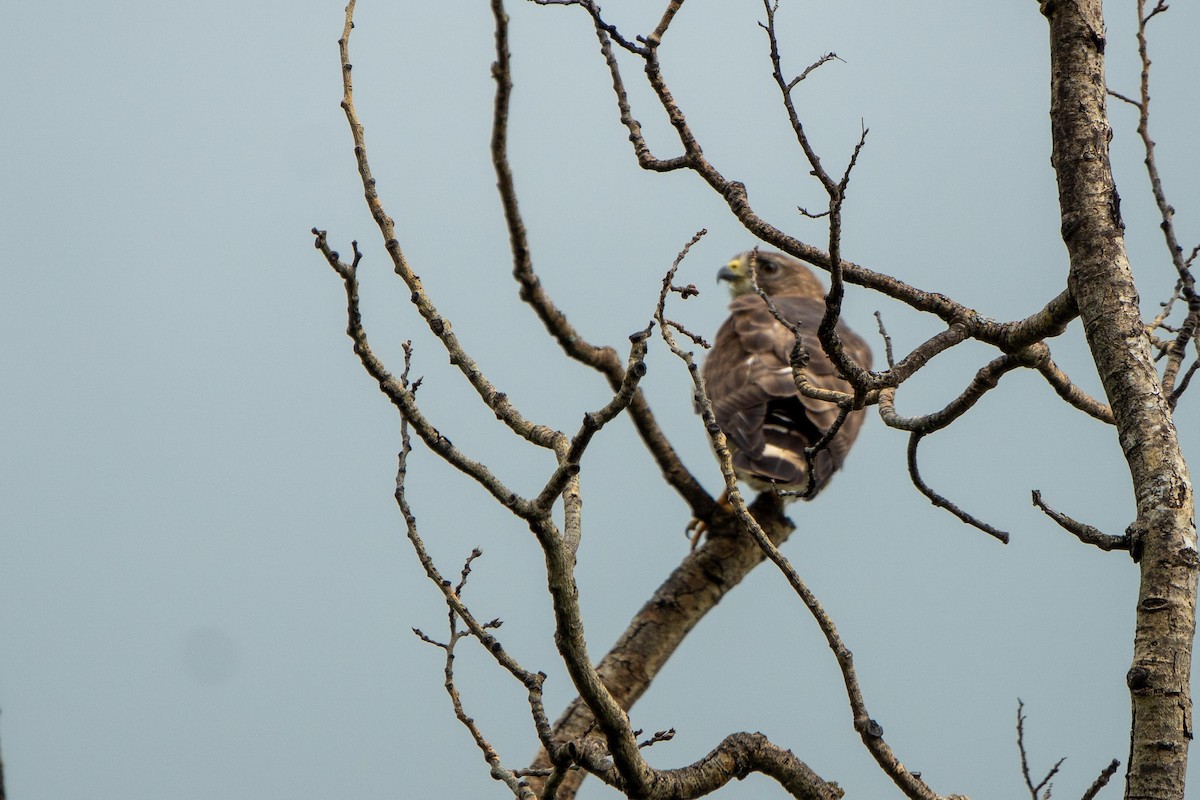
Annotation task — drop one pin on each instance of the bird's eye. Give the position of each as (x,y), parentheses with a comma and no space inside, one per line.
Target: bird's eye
(768,267)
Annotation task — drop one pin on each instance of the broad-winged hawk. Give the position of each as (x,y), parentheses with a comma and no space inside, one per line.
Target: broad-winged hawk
(748,376)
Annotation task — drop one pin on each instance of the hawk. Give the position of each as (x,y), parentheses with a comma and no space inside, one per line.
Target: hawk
(748,376)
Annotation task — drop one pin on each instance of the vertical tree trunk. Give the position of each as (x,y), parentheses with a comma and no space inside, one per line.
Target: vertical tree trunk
(1102,285)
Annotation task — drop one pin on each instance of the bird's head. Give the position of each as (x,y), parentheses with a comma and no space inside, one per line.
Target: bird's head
(777,274)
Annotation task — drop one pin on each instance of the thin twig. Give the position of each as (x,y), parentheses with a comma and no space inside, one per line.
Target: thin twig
(659,736)
(941,502)
(1051,320)
(1034,791)
(1187,283)
(453,597)
(1187,379)
(603,359)
(496,400)
(1102,780)
(1082,531)
(870,732)
(402,396)
(887,341)
(827,333)
(1021,747)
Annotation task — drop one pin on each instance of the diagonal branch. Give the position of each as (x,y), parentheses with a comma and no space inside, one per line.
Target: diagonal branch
(453,597)
(1101,780)
(1187,283)
(496,400)
(1082,531)
(402,396)
(1068,391)
(798,361)
(868,729)
(1051,320)
(656,631)
(602,359)
(693,589)
(785,89)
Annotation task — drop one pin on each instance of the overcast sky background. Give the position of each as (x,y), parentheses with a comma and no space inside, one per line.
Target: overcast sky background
(204,586)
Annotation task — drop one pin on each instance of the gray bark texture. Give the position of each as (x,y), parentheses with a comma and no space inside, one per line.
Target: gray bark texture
(691,591)
(1102,285)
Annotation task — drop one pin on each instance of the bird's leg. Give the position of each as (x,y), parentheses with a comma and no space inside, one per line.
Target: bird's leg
(698,527)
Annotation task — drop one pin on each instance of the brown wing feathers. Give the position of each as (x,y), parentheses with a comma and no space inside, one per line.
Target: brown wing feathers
(749,379)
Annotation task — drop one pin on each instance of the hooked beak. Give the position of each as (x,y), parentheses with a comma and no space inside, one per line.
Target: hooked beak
(733,271)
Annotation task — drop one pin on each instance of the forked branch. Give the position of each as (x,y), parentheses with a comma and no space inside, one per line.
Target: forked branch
(868,729)
(603,359)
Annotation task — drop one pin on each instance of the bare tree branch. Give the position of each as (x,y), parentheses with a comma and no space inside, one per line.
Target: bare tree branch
(1102,780)
(693,589)
(1034,791)
(453,598)
(1187,283)
(495,400)
(1187,379)
(402,396)
(594,735)
(941,502)
(889,356)
(986,379)
(1070,392)
(1085,533)
(1050,321)
(603,359)
(1101,282)
(518,787)
(785,89)
(868,729)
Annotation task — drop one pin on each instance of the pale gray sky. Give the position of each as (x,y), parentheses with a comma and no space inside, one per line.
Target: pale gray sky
(204,586)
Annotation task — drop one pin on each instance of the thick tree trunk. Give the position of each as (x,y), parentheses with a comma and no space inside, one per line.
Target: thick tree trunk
(1104,291)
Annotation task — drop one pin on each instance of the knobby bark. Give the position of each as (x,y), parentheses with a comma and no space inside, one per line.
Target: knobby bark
(1163,534)
(653,635)
(594,734)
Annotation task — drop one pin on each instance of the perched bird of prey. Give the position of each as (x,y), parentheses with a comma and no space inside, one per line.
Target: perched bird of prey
(748,376)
